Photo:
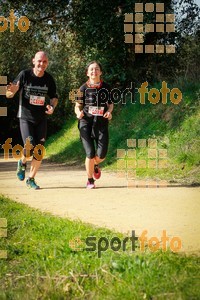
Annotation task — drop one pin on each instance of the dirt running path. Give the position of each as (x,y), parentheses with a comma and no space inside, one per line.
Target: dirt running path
(111,204)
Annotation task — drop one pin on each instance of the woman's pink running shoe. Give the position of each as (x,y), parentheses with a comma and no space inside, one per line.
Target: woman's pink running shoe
(97,172)
(90,185)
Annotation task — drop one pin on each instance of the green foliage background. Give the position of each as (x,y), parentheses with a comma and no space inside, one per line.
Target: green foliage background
(73,33)
(76,32)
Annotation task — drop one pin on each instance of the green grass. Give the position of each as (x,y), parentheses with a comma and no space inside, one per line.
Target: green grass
(41,265)
(65,146)
(176,128)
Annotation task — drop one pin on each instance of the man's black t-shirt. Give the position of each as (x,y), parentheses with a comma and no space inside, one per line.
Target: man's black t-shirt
(33,94)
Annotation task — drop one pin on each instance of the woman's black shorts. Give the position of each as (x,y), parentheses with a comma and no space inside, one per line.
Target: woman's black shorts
(94,134)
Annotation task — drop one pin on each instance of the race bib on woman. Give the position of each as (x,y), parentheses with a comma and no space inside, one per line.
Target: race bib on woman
(96,110)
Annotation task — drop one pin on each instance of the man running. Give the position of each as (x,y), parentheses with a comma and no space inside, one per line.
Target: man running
(35,87)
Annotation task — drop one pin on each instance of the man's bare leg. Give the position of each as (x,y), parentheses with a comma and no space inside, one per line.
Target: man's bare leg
(23,159)
(35,165)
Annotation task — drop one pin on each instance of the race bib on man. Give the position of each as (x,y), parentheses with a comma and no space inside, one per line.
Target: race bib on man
(37,100)
(96,110)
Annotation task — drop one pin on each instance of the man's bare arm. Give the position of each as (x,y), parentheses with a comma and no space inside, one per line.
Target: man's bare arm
(12,89)
(54,102)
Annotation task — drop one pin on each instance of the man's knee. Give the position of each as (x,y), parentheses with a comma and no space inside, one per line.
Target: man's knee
(28,152)
(39,152)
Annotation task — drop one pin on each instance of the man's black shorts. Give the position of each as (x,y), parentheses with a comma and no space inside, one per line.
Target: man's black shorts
(35,132)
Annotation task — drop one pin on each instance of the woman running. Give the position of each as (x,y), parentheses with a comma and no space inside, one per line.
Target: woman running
(94,110)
